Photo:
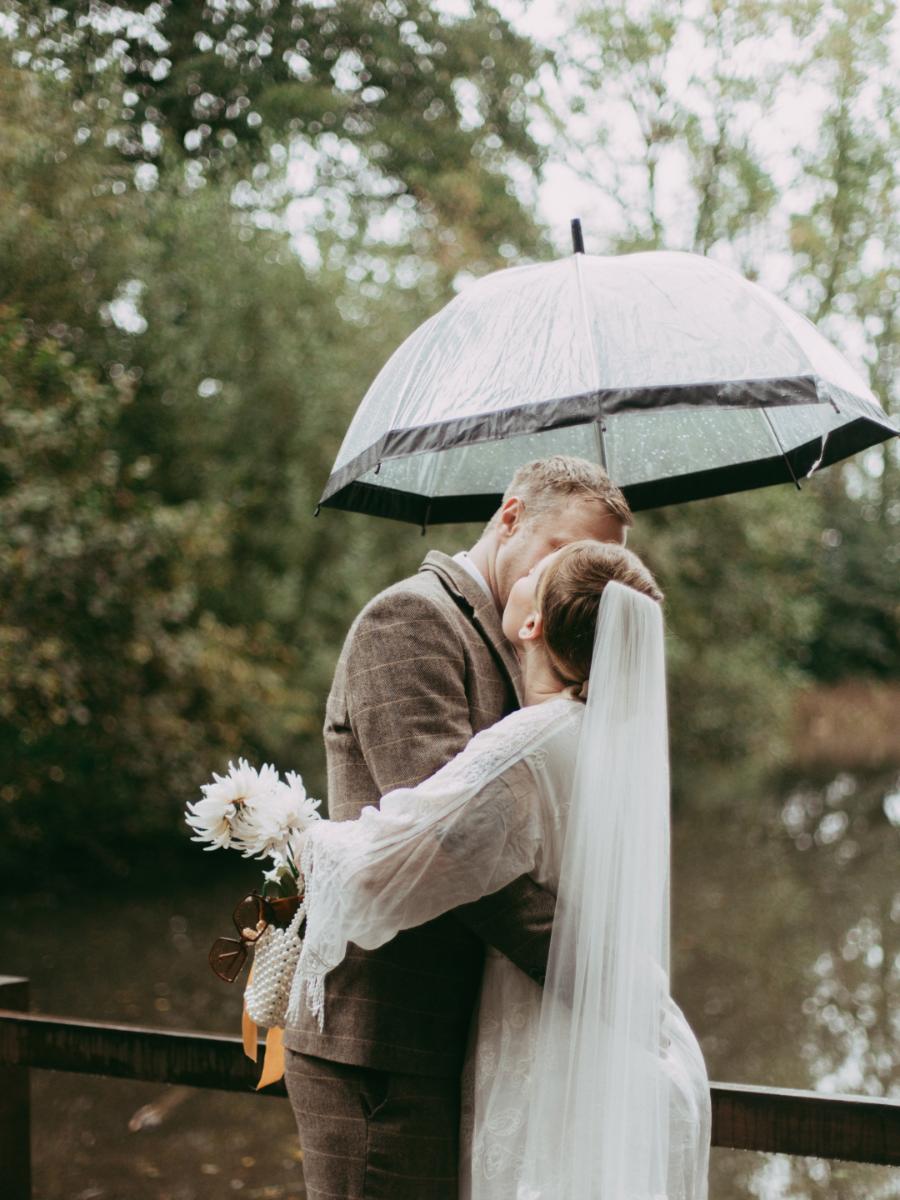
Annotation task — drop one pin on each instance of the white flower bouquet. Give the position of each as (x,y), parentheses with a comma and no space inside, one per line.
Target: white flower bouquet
(262,816)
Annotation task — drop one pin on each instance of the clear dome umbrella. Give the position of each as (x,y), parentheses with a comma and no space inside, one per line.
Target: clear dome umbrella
(681,377)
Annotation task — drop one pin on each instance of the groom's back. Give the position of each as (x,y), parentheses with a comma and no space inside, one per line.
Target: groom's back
(423,668)
(381,732)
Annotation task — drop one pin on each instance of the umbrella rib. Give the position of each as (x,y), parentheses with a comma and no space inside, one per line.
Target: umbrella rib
(781,448)
(599,424)
(774,303)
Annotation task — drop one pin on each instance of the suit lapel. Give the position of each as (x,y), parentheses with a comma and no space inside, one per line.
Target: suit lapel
(481,611)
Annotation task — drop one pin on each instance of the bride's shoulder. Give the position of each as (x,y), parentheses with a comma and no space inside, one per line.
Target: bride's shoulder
(531,726)
(520,738)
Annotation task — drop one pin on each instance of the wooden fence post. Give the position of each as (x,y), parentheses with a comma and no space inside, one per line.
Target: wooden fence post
(15,1105)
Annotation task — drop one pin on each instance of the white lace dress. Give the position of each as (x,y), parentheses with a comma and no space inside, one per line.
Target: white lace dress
(495,812)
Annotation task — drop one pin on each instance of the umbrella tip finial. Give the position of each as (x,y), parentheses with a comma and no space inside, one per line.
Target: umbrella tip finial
(577,238)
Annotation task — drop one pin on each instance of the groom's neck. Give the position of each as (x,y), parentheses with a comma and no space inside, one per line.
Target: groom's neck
(482,558)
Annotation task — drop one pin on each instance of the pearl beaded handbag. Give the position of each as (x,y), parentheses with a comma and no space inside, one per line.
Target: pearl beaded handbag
(275,955)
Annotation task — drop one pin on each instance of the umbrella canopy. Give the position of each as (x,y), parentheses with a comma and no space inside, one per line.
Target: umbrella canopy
(678,375)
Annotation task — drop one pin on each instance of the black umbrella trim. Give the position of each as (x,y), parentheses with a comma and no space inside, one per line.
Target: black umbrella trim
(580,410)
(698,485)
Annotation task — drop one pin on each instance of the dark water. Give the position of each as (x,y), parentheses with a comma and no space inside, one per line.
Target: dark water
(786,948)
(787,955)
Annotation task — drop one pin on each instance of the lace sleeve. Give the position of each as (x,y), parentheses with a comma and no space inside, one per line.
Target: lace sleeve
(470,829)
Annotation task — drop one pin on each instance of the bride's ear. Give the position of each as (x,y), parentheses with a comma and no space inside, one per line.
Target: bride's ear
(533,628)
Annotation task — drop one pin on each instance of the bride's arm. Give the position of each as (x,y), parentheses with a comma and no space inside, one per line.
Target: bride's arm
(430,723)
(468,831)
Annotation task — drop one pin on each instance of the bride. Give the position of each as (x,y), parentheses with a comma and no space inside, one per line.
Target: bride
(594,1087)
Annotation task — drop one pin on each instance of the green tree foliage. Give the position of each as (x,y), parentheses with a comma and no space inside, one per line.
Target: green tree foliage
(217,371)
(858,630)
(382,102)
(231,213)
(846,247)
(117,686)
(692,125)
(249,375)
(739,610)
(66,207)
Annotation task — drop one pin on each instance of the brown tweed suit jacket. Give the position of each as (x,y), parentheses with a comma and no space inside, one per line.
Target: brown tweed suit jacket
(424,667)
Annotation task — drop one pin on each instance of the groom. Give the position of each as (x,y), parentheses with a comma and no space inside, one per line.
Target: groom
(425,666)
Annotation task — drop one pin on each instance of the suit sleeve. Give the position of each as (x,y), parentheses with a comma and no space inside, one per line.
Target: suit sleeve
(517,921)
(409,713)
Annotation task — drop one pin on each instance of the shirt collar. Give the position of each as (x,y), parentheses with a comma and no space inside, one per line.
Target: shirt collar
(465,561)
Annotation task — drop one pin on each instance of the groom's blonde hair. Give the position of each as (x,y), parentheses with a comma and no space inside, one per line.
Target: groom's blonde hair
(568,597)
(545,483)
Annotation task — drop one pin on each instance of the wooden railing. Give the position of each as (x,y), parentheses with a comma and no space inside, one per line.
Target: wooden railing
(853,1128)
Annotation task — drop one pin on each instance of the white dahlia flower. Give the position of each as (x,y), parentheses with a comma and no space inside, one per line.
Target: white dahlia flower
(218,818)
(254,812)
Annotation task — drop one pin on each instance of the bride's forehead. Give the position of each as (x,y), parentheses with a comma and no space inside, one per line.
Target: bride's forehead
(539,565)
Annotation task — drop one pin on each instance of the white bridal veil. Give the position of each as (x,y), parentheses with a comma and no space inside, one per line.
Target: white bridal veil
(619,1106)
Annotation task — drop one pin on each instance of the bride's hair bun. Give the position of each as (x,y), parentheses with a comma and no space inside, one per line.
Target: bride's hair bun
(569,594)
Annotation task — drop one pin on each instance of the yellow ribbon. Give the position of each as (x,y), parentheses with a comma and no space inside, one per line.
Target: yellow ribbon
(273,1054)
(273,1058)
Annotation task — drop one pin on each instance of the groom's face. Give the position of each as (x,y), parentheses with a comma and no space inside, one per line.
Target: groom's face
(523,542)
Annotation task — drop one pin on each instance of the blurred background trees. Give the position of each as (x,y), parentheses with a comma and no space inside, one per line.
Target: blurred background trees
(216,222)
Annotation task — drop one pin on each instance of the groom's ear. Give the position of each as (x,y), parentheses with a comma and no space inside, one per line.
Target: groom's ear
(511,515)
